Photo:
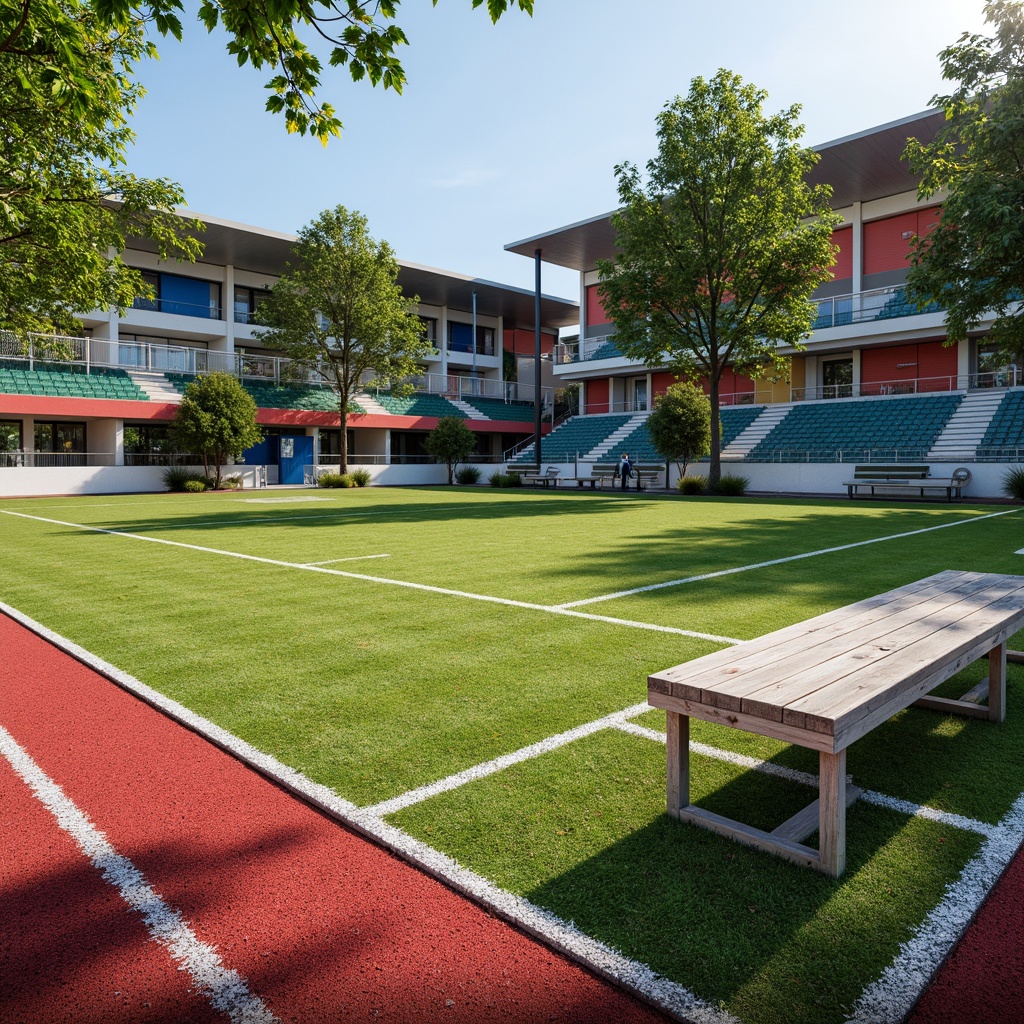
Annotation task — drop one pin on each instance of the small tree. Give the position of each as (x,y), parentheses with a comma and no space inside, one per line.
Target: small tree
(680,425)
(719,253)
(339,312)
(971,264)
(217,419)
(450,441)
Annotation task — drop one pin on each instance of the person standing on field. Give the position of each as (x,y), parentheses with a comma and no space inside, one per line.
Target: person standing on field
(625,470)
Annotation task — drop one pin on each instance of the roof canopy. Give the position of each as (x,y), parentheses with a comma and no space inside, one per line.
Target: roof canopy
(859,168)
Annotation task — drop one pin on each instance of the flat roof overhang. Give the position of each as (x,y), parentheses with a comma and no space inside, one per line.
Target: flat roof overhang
(860,168)
(262,251)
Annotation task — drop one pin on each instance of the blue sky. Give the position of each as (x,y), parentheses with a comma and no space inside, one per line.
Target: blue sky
(505,131)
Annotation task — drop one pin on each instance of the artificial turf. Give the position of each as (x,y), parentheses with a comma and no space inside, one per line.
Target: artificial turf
(375,689)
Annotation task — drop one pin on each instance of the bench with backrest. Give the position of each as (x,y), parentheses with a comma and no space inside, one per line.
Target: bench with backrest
(827,682)
(904,477)
(548,478)
(645,474)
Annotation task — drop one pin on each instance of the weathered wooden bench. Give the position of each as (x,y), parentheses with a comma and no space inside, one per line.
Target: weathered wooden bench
(546,479)
(904,477)
(827,682)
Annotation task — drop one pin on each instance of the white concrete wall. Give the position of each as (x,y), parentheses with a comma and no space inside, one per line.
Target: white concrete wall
(827,478)
(30,481)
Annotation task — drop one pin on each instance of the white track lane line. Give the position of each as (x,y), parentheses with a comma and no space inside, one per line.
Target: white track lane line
(560,935)
(891,803)
(891,997)
(781,561)
(507,602)
(226,990)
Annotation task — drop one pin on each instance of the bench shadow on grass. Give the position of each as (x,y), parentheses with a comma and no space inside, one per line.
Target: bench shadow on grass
(771,940)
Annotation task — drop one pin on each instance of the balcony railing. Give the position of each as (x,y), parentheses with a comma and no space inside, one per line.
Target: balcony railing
(862,307)
(205,311)
(158,358)
(1008,377)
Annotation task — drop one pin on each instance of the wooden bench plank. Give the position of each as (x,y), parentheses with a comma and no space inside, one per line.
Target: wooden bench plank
(719,672)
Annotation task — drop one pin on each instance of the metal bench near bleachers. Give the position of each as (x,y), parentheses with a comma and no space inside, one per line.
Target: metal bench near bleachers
(546,479)
(644,474)
(826,682)
(906,478)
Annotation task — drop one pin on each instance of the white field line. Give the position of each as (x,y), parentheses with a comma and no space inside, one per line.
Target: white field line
(480,771)
(560,935)
(892,803)
(507,602)
(889,999)
(1021,552)
(782,561)
(226,990)
(351,558)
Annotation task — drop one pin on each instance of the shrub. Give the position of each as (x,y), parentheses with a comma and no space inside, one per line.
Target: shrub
(468,475)
(335,480)
(175,478)
(361,477)
(498,480)
(195,486)
(1013,484)
(731,486)
(231,483)
(691,485)
(514,479)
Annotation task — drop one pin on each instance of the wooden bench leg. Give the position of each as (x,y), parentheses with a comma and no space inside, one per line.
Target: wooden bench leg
(678,789)
(997,683)
(832,812)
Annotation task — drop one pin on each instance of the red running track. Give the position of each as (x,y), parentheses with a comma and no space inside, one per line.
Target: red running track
(322,925)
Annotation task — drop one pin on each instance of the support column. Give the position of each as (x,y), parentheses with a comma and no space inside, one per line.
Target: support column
(832,812)
(537,411)
(678,788)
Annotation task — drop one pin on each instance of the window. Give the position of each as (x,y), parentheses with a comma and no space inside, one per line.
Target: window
(147,444)
(837,378)
(183,296)
(247,302)
(429,328)
(63,442)
(10,442)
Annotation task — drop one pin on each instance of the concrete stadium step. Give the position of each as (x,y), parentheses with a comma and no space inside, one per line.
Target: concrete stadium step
(370,404)
(467,410)
(966,427)
(742,444)
(616,437)
(157,386)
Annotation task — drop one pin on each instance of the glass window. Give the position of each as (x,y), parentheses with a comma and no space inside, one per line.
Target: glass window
(152,301)
(59,436)
(429,328)
(837,378)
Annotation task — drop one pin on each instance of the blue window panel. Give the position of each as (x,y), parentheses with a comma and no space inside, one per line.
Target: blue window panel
(460,337)
(186,296)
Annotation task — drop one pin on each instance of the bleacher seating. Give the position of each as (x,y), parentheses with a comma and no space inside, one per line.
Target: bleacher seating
(898,305)
(268,395)
(858,430)
(495,409)
(1006,430)
(97,382)
(435,406)
(577,435)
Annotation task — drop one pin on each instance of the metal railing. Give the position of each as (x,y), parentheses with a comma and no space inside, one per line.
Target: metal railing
(28,457)
(205,311)
(155,357)
(861,307)
(1008,377)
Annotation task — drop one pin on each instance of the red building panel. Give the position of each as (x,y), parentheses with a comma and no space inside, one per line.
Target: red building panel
(887,243)
(929,366)
(660,382)
(595,308)
(597,395)
(842,269)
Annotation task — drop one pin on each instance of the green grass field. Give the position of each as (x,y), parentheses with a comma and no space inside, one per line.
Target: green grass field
(433,640)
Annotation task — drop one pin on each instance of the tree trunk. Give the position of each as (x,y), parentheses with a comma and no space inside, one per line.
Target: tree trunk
(715,468)
(343,409)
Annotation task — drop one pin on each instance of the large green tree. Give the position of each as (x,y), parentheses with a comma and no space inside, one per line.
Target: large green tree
(719,251)
(680,425)
(66,204)
(216,419)
(339,312)
(972,262)
(283,35)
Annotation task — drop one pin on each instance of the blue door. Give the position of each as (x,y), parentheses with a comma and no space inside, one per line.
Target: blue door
(294,454)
